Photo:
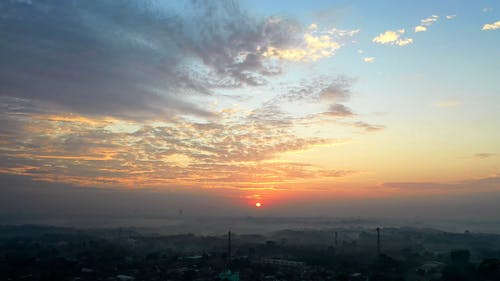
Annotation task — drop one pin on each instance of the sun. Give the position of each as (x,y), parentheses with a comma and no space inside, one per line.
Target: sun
(258,204)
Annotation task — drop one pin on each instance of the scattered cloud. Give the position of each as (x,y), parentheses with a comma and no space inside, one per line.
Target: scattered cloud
(448,103)
(237,149)
(324,89)
(368,127)
(315,45)
(176,152)
(420,28)
(487,10)
(450,17)
(491,26)
(369,59)
(393,37)
(425,23)
(429,21)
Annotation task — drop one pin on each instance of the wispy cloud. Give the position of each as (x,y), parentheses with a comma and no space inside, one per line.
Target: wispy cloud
(429,21)
(425,23)
(393,37)
(450,17)
(368,127)
(491,26)
(484,155)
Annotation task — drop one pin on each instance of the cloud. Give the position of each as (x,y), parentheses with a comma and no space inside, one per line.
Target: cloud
(450,17)
(89,58)
(429,21)
(238,149)
(448,103)
(121,94)
(103,151)
(486,10)
(368,127)
(393,38)
(425,23)
(323,89)
(338,90)
(332,92)
(404,42)
(339,110)
(484,155)
(340,33)
(369,59)
(420,28)
(315,45)
(491,26)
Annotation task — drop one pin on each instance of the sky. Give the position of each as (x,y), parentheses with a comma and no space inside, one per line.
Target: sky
(338,108)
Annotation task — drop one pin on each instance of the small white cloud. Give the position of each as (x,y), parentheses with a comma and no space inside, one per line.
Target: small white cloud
(420,28)
(393,38)
(369,59)
(487,10)
(450,17)
(491,26)
(429,21)
(360,51)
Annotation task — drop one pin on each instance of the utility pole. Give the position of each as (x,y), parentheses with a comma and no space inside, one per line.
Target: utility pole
(229,247)
(378,241)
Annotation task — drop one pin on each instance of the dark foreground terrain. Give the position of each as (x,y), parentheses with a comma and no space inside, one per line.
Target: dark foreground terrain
(54,253)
